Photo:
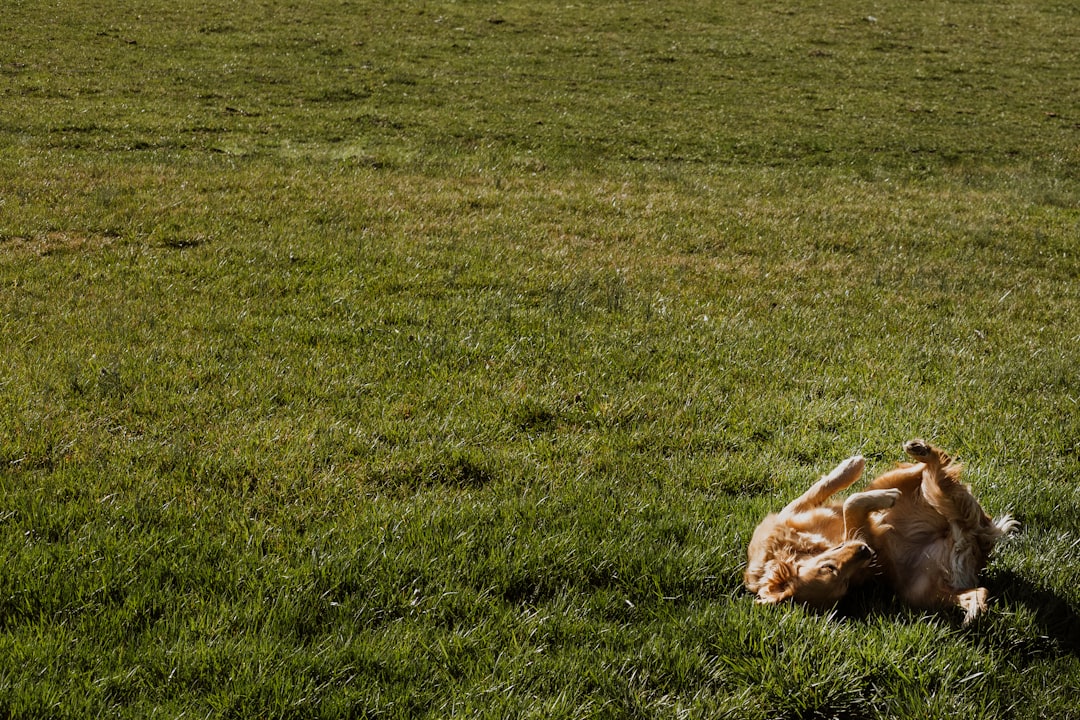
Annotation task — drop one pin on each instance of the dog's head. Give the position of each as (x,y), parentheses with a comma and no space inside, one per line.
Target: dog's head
(817,580)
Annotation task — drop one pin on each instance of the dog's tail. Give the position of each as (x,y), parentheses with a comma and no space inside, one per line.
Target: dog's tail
(1007,525)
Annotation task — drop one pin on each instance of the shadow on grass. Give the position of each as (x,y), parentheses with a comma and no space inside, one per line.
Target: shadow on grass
(1055,617)
(1025,619)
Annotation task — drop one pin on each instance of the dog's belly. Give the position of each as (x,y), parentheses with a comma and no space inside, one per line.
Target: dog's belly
(926,573)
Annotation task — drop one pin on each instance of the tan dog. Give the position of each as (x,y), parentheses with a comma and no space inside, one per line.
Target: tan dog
(929,536)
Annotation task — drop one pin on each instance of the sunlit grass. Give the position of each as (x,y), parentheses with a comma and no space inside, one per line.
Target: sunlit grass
(438,360)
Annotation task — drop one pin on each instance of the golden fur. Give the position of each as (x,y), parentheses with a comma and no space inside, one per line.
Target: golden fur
(916,526)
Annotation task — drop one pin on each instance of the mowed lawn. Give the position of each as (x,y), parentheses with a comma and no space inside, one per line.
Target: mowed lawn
(437,359)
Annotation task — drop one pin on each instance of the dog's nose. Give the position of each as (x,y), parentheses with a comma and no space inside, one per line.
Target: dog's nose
(864,552)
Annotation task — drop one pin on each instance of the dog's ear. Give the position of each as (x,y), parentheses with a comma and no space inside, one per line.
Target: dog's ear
(777,584)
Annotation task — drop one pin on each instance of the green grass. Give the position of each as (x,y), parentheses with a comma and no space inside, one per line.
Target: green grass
(438,359)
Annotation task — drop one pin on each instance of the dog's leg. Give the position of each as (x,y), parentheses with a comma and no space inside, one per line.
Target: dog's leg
(906,477)
(941,486)
(842,476)
(858,507)
(973,532)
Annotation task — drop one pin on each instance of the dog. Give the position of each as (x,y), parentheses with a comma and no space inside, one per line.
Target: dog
(916,527)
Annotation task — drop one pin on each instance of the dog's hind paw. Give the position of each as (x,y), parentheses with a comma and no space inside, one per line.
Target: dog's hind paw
(926,453)
(918,449)
(973,603)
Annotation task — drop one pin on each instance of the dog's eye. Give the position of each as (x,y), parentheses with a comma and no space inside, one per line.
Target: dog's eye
(829,568)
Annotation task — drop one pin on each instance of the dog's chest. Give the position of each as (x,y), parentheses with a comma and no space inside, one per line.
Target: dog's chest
(816,530)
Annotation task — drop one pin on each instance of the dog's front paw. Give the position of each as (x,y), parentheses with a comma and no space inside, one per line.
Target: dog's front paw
(870,500)
(882,499)
(846,472)
(918,449)
(853,464)
(890,497)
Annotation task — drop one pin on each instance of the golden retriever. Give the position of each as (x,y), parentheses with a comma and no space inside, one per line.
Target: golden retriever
(917,526)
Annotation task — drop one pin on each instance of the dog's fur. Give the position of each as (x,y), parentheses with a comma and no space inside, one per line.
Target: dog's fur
(916,526)
(813,550)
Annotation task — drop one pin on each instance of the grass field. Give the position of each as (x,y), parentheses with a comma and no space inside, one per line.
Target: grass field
(437,359)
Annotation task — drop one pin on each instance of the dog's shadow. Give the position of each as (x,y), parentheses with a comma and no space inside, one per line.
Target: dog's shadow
(1025,619)
(1054,617)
